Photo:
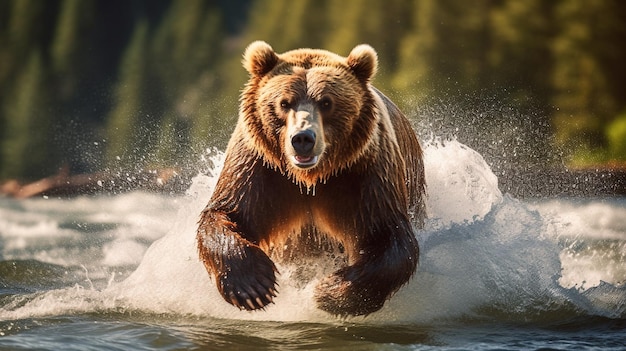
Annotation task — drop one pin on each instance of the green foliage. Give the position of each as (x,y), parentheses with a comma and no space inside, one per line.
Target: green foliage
(186,47)
(29,132)
(167,84)
(416,52)
(616,135)
(75,19)
(155,82)
(586,71)
(126,135)
(21,78)
(288,24)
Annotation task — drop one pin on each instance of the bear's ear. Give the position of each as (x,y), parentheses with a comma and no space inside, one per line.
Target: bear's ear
(363,61)
(259,58)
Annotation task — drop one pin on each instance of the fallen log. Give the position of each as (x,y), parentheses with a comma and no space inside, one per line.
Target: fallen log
(63,184)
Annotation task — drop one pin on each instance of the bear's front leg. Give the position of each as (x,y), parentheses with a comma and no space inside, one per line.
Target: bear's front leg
(363,288)
(244,274)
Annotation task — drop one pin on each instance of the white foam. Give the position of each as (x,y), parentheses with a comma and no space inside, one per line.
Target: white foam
(590,218)
(123,253)
(461,186)
(593,232)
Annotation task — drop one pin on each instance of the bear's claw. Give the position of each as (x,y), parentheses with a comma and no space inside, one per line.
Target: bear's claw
(248,299)
(251,282)
(341,297)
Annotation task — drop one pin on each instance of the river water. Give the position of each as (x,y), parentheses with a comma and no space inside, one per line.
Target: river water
(496,273)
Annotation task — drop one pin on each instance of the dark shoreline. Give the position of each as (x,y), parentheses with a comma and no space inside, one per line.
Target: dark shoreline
(564,183)
(524,183)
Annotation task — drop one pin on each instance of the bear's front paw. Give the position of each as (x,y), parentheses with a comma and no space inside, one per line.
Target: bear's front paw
(338,296)
(250,281)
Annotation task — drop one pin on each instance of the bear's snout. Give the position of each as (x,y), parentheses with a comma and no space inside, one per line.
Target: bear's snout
(303,142)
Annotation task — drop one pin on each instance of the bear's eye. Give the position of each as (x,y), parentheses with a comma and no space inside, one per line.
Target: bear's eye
(285,104)
(326,103)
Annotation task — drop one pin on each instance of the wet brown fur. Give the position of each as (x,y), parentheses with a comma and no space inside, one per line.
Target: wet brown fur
(363,194)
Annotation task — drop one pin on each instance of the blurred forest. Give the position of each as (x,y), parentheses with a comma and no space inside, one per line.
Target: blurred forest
(115,84)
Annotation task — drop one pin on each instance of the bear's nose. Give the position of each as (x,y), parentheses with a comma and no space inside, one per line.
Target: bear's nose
(303,142)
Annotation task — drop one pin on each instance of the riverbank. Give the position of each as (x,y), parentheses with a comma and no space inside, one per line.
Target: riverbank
(520,183)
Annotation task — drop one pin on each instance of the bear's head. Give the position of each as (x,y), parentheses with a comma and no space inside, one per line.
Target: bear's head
(309,113)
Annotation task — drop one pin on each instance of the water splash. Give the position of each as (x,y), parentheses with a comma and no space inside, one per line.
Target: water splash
(481,251)
(484,255)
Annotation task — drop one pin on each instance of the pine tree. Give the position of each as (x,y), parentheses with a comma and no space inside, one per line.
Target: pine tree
(417,50)
(26,101)
(444,53)
(187,45)
(127,138)
(377,23)
(581,78)
(25,146)
(519,58)
(288,25)
(616,135)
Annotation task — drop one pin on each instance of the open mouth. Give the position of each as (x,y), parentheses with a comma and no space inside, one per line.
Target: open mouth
(304,161)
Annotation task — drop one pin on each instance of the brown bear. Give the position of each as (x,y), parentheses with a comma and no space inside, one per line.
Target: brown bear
(317,152)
